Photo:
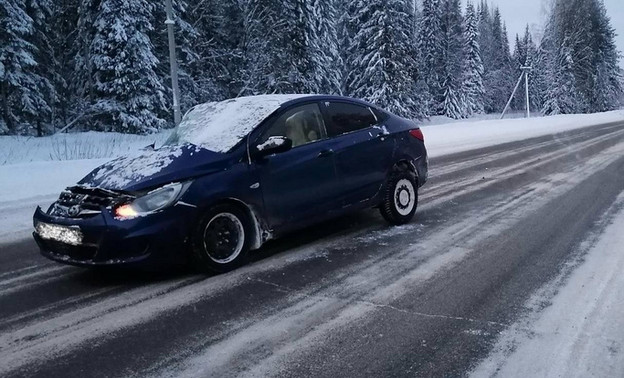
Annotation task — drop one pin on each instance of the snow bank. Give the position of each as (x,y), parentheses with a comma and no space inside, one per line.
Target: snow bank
(27,180)
(74,146)
(468,135)
(25,186)
(442,120)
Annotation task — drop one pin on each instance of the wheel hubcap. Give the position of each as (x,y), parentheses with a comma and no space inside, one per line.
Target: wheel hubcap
(404,197)
(224,238)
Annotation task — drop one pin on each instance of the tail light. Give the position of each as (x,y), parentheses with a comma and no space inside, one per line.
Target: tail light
(416,133)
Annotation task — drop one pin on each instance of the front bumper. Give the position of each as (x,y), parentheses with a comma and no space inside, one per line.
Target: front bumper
(157,239)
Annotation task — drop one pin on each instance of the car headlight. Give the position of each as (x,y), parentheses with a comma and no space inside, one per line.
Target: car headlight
(152,202)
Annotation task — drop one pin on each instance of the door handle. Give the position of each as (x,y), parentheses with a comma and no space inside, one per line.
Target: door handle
(325,153)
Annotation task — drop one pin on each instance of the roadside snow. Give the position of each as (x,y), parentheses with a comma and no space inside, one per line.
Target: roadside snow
(27,180)
(442,120)
(25,186)
(580,334)
(469,135)
(74,146)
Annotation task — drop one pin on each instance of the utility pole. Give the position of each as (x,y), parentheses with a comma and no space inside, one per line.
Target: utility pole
(174,63)
(526,71)
(524,75)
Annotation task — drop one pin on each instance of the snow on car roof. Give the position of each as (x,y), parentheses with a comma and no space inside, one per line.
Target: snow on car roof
(219,126)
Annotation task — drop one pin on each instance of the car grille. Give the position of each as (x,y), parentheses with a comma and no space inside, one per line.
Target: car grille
(80,202)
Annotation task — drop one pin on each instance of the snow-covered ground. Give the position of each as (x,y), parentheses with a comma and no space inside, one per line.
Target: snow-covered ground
(25,186)
(73,146)
(35,170)
(580,333)
(464,136)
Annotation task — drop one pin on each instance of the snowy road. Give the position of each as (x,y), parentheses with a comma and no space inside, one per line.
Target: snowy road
(482,280)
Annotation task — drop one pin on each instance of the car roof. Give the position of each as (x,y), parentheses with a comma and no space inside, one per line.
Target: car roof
(219,126)
(312,97)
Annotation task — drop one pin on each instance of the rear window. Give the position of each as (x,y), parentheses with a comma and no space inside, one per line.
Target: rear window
(345,118)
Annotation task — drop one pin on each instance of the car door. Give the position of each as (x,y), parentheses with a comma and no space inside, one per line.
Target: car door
(363,149)
(299,184)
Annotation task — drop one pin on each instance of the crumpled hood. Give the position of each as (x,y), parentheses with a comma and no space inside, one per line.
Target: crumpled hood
(150,168)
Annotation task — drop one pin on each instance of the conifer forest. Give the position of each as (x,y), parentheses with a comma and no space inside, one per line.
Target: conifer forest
(104,64)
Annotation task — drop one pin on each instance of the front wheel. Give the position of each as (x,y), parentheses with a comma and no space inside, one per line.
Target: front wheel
(400,198)
(221,240)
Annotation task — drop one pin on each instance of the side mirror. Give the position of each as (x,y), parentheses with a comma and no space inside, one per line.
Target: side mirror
(273,145)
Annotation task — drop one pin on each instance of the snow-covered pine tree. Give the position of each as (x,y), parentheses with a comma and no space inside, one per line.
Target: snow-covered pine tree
(21,96)
(219,67)
(291,46)
(82,79)
(453,103)
(48,68)
(607,89)
(621,98)
(474,71)
(539,79)
(487,55)
(422,95)
(382,56)
(264,51)
(62,33)
(520,53)
(544,73)
(498,75)
(562,96)
(346,30)
(298,42)
(326,59)
(431,53)
(128,95)
(508,65)
(583,57)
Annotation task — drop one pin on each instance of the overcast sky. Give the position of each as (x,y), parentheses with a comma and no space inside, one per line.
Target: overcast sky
(518,13)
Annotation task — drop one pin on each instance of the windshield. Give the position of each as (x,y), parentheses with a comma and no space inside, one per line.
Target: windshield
(219,126)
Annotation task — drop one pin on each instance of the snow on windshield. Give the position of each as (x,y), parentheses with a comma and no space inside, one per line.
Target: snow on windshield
(218,126)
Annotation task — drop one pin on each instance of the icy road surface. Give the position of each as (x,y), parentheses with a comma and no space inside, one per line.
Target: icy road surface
(512,265)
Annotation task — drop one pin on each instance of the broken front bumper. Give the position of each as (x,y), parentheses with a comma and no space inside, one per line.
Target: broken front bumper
(102,240)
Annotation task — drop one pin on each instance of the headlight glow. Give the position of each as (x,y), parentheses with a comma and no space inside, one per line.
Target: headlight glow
(152,202)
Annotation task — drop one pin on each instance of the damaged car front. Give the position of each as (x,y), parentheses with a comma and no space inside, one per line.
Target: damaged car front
(141,209)
(117,215)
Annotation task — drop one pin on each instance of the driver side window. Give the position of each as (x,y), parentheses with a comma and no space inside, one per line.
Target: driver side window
(302,124)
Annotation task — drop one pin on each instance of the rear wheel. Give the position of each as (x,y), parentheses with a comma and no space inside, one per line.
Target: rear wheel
(400,198)
(221,240)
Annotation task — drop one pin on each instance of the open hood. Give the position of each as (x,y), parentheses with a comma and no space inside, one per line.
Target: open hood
(151,168)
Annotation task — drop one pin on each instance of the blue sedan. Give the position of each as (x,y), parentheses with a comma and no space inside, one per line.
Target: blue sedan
(233,175)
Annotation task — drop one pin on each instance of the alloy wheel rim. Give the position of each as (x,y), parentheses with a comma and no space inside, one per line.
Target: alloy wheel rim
(224,237)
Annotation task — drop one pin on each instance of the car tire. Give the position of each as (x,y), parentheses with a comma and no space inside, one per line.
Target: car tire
(221,240)
(400,198)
